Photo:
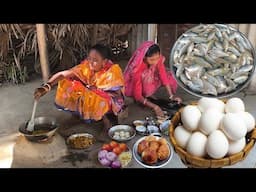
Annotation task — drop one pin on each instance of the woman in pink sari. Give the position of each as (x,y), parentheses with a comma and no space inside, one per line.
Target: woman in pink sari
(146,73)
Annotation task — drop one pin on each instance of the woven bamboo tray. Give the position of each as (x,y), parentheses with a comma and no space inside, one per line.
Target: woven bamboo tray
(198,162)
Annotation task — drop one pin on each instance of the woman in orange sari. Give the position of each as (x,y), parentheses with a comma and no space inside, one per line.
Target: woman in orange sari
(93,89)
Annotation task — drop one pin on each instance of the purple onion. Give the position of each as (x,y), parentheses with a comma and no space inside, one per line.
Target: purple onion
(111,156)
(116,164)
(102,154)
(105,162)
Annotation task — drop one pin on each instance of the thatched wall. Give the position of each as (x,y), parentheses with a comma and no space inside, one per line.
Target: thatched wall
(67,45)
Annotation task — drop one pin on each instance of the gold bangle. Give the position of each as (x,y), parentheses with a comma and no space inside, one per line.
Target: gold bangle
(48,85)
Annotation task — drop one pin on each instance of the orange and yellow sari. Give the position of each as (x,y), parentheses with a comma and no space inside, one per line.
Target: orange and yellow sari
(92,95)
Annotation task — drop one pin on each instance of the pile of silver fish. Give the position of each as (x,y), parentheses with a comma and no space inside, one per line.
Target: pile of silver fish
(212,59)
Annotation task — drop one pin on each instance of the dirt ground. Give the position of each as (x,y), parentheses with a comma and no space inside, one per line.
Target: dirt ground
(15,151)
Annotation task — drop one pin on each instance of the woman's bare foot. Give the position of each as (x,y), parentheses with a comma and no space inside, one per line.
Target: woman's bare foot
(103,136)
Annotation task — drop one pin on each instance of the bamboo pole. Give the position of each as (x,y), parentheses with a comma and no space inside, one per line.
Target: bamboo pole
(42,46)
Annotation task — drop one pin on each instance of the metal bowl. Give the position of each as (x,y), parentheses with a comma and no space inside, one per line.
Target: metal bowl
(45,127)
(159,164)
(112,130)
(222,95)
(77,136)
(138,123)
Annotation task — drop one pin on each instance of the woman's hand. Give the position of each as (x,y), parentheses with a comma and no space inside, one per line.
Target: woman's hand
(41,91)
(159,112)
(178,99)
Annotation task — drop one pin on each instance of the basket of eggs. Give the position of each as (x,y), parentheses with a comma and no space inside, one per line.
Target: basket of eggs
(213,133)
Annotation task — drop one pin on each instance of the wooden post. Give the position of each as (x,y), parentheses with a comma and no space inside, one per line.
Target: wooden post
(42,45)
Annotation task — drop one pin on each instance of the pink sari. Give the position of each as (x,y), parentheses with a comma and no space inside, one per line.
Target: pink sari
(143,81)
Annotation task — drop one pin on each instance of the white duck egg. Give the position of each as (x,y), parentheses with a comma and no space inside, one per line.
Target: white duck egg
(127,134)
(234,105)
(116,137)
(197,144)
(217,145)
(248,119)
(233,126)
(236,146)
(206,103)
(210,121)
(182,136)
(190,117)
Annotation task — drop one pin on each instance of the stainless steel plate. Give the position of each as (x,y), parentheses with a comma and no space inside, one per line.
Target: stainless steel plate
(159,164)
(112,130)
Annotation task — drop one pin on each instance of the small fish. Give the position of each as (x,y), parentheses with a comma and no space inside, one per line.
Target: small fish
(234,50)
(241,47)
(225,45)
(245,68)
(184,79)
(219,71)
(225,35)
(222,61)
(231,85)
(231,57)
(241,79)
(193,71)
(243,42)
(215,53)
(203,48)
(222,85)
(199,39)
(197,52)
(176,56)
(190,48)
(183,49)
(198,82)
(210,44)
(199,29)
(211,36)
(232,36)
(210,79)
(218,34)
(242,60)
(233,43)
(190,34)
(210,60)
(218,45)
(209,88)
(194,87)
(234,67)
(238,74)
(200,61)
(249,60)
(180,69)
(181,60)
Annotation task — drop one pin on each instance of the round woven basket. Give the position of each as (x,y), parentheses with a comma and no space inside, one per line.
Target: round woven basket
(198,162)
